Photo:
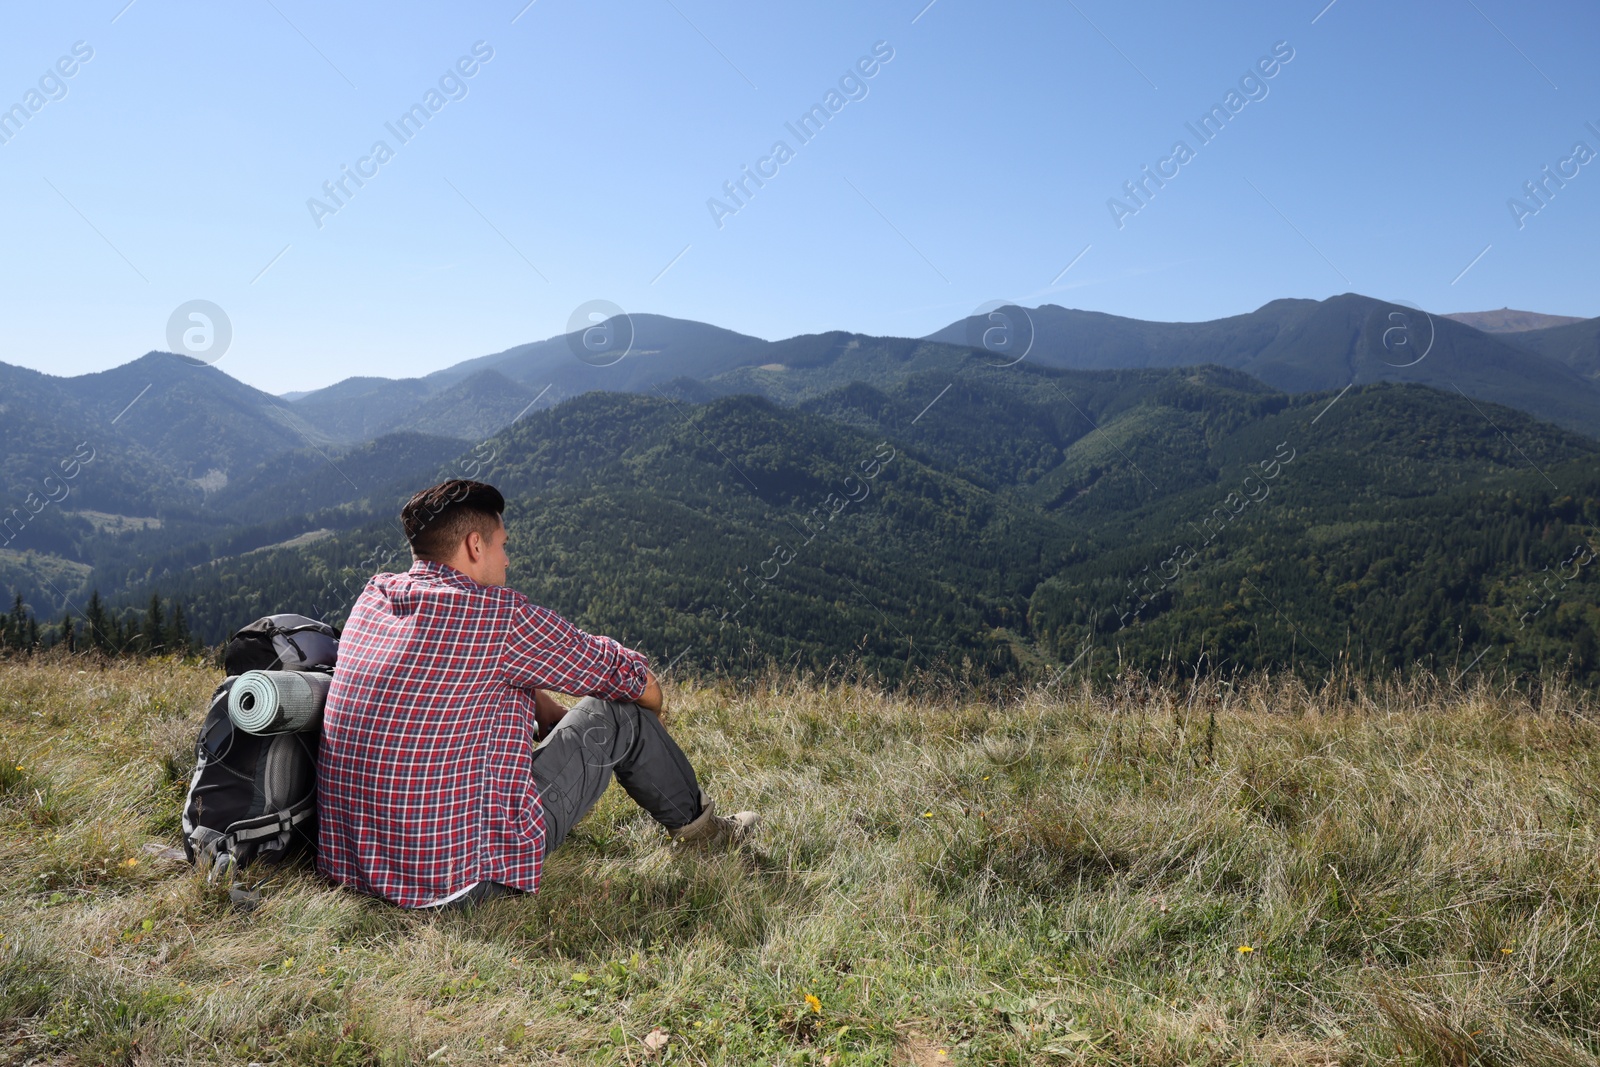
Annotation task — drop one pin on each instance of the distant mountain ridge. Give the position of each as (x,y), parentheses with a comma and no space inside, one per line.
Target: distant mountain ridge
(1576,344)
(174,434)
(661,349)
(179,432)
(1309,345)
(1507,320)
(1292,344)
(186,428)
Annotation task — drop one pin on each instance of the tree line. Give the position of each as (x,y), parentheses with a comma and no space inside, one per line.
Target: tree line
(159,629)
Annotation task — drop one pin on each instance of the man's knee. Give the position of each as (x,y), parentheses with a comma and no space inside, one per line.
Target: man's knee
(610,726)
(621,714)
(590,706)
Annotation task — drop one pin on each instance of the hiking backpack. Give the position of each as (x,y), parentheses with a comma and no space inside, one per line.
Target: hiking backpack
(255,797)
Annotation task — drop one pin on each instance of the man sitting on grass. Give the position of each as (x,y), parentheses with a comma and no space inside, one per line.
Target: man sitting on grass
(430,788)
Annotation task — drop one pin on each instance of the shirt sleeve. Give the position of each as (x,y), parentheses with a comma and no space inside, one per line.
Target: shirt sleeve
(545,651)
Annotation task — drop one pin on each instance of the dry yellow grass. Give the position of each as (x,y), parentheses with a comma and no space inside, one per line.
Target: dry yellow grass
(1149,875)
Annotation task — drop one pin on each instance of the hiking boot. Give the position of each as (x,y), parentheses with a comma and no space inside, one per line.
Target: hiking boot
(710,830)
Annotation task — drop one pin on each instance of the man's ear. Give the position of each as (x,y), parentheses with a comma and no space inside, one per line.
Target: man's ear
(475,546)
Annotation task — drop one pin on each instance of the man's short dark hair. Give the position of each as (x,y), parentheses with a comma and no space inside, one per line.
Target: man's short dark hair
(438,519)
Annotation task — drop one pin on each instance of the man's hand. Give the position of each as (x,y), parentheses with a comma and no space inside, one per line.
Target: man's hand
(547,711)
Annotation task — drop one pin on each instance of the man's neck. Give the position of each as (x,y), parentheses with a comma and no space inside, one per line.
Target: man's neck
(456,566)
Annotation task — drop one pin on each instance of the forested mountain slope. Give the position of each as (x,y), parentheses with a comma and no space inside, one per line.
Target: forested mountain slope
(1007,519)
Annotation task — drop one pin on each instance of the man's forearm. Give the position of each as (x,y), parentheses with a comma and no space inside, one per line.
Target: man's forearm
(547,711)
(547,704)
(651,698)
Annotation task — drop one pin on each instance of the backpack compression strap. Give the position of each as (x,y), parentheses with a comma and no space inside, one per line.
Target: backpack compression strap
(269,825)
(218,851)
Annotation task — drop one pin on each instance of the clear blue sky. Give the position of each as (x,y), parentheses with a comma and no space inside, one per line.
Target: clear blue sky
(579,164)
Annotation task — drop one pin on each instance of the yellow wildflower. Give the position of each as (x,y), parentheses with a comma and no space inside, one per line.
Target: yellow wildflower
(816,1005)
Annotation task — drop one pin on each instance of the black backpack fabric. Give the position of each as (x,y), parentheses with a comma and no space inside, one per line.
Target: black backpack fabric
(252,798)
(281,643)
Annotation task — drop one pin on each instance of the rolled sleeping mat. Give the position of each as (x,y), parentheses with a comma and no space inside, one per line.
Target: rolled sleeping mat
(278,702)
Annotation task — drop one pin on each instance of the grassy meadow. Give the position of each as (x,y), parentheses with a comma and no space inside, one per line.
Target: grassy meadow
(1254,874)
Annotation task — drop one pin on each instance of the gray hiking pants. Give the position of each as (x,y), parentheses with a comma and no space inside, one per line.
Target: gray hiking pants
(594,741)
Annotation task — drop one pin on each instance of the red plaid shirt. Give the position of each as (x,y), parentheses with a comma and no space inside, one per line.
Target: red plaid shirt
(424,784)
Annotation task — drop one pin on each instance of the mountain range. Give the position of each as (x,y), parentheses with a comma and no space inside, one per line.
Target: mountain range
(1308,345)
(182,431)
(1020,495)
(1295,345)
(1507,320)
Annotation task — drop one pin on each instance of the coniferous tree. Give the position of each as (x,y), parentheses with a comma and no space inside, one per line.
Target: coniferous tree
(177,632)
(99,623)
(151,634)
(1584,651)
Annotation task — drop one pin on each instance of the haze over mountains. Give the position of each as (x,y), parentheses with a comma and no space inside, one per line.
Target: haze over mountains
(1031,483)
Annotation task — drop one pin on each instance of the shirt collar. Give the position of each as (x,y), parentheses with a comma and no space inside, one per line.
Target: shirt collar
(441,571)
